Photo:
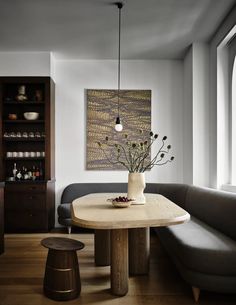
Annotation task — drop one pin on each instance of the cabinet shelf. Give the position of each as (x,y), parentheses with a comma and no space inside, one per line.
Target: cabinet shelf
(26,182)
(24,158)
(23,103)
(24,139)
(23,121)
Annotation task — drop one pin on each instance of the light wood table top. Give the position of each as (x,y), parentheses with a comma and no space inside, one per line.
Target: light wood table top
(95,212)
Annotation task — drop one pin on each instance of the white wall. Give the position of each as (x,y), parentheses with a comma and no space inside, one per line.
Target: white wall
(25,64)
(201,135)
(188,118)
(164,78)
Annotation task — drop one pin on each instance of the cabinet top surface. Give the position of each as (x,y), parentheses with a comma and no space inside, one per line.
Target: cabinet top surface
(94,211)
(25,78)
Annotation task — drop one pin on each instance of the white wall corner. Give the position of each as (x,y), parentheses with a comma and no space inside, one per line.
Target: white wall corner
(196,128)
(52,66)
(201,114)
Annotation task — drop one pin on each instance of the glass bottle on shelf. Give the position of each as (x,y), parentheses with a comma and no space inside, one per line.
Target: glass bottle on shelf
(38,95)
(19,175)
(30,177)
(26,176)
(23,172)
(37,174)
(40,172)
(33,173)
(14,171)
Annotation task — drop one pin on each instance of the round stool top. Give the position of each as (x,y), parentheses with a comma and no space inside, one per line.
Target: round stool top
(61,243)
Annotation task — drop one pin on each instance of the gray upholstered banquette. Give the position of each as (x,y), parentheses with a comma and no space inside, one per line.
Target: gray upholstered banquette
(204,249)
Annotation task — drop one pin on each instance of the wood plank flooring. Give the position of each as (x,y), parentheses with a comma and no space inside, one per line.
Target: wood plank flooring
(22,270)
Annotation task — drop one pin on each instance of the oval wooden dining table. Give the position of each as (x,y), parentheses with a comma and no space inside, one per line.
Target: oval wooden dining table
(94,211)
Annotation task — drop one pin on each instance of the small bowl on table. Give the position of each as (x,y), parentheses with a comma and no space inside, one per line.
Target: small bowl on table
(121,202)
(31,115)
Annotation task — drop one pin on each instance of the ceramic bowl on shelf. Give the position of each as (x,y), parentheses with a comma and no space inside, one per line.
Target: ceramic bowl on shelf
(31,115)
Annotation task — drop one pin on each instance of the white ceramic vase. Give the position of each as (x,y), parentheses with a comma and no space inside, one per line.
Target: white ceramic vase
(136,186)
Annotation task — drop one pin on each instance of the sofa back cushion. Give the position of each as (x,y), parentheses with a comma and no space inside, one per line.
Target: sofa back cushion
(173,191)
(75,190)
(216,208)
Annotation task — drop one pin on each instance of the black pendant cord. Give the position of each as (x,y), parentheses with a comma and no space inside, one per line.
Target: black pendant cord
(119,5)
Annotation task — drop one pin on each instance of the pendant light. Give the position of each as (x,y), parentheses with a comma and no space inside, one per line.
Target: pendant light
(118,126)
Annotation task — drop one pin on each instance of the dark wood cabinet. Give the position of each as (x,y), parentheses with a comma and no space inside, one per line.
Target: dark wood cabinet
(27,163)
(1,218)
(29,206)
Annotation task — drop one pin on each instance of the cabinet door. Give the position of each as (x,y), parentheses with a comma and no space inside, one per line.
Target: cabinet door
(1,221)
(27,221)
(25,201)
(26,208)
(29,187)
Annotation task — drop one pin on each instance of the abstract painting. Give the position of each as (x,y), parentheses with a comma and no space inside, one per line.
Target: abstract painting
(102,105)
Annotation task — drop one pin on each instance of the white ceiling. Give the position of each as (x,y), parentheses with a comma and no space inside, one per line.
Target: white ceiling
(87,29)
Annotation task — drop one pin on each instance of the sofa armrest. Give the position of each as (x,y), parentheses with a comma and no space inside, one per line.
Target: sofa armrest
(63,210)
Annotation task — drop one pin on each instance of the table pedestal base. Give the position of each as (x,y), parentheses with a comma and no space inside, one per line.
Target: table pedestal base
(102,247)
(119,261)
(139,251)
(127,250)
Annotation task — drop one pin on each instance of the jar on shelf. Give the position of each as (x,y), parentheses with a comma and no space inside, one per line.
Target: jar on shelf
(21,96)
(38,95)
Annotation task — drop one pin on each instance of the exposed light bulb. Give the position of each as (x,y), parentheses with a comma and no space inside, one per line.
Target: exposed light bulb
(118,126)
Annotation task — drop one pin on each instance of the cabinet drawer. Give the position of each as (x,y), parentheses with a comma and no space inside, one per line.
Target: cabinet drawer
(20,201)
(25,221)
(27,187)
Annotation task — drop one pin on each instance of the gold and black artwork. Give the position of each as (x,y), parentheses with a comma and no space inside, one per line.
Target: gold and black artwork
(102,109)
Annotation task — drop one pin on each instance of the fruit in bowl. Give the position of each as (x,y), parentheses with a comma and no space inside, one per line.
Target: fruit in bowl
(121,202)
(31,115)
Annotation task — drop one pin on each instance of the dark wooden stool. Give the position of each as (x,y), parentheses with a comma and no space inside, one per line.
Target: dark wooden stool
(62,276)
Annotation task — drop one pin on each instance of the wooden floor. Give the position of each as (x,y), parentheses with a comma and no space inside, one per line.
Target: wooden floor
(22,270)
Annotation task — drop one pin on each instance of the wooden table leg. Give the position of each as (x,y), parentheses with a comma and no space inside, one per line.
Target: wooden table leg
(119,261)
(139,251)
(102,247)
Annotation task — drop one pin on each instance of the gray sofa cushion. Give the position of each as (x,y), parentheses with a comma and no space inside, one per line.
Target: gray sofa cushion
(200,247)
(216,208)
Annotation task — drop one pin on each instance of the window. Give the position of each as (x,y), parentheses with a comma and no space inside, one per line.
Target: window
(233,137)
(226,112)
